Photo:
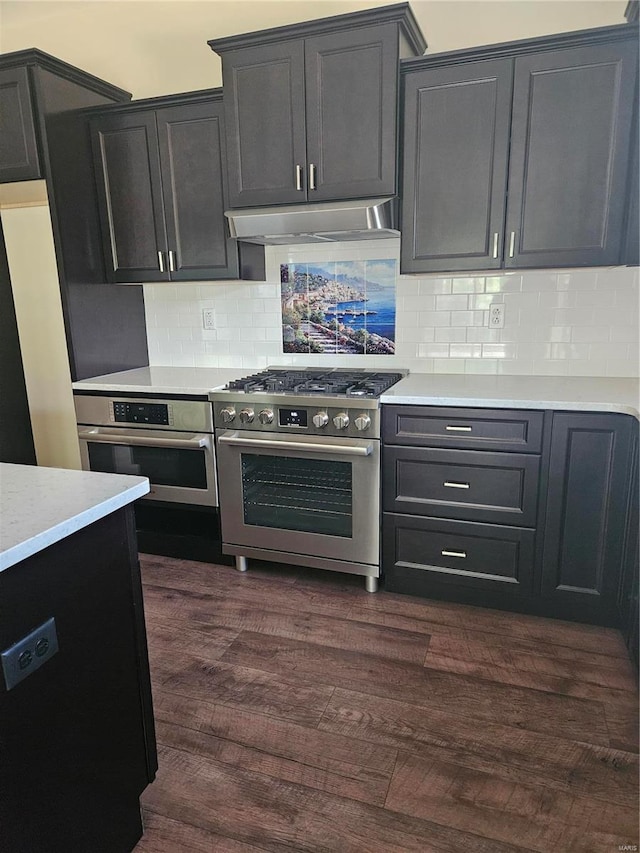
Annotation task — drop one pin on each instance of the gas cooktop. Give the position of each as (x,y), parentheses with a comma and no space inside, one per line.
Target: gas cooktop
(315,382)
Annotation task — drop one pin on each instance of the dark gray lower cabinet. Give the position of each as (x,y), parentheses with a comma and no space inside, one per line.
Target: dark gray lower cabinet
(553,533)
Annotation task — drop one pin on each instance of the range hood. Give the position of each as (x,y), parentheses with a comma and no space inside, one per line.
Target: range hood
(325,222)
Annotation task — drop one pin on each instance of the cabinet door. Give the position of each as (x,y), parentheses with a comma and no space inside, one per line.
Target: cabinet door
(264,115)
(570,142)
(127,165)
(351,98)
(18,145)
(585,516)
(190,139)
(456,139)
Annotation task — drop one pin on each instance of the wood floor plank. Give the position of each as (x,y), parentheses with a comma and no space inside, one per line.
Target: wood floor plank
(322,760)
(623,725)
(511,753)
(247,688)
(168,643)
(510,812)
(565,685)
(287,817)
(166,835)
(393,609)
(537,657)
(229,614)
(529,709)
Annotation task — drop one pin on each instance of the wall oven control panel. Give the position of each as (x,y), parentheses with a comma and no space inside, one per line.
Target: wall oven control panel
(154,414)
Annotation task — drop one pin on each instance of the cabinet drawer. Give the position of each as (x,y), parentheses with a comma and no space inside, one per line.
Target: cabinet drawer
(485,556)
(464,484)
(519,431)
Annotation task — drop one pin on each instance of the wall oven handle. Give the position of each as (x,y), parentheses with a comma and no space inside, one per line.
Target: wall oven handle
(96,436)
(332,449)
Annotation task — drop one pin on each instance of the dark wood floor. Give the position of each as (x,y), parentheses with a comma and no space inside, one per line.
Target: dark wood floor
(296,712)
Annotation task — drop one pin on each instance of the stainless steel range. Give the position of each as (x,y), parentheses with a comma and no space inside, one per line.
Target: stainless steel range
(298,455)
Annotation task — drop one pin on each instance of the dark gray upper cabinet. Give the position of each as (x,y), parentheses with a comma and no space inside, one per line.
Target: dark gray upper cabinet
(33,87)
(19,160)
(570,141)
(311,109)
(456,147)
(517,155)
(161,187)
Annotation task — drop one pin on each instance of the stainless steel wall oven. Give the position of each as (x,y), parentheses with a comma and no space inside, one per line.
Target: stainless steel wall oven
(170,441)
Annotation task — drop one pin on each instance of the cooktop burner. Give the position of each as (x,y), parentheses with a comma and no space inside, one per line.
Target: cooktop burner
(348,383)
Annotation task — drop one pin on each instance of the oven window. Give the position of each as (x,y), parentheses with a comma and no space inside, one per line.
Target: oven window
(308,495)
(164,466)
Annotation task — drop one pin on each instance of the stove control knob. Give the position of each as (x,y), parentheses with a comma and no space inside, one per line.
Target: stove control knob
(228,414)
(320,419)
(265,416)
(362,422)
(246,416)
(341,420)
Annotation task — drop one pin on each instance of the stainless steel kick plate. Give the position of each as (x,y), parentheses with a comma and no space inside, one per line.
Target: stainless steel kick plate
(29,653)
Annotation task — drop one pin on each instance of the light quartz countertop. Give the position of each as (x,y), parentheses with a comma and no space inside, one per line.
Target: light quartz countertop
(163,380)
(579,393)
(41,506)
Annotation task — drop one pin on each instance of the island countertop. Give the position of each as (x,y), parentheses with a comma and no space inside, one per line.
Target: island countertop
(40,506)
(574,393)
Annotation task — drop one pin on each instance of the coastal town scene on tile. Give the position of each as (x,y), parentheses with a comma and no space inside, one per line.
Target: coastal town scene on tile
(339,307)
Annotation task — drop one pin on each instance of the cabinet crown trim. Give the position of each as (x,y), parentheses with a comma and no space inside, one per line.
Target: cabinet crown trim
(40,59)
(400,13)
(511,49)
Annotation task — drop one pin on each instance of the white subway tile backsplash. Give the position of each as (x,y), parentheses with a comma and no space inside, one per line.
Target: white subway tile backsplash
(557,322)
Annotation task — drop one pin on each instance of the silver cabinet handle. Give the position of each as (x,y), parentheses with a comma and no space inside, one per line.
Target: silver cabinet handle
(161,261)
(451,428)
(446,553)
(234,440)
(452,485)
(312,176)
(172,261)
(298,177)
(96,436)
(512,244)
(495,244)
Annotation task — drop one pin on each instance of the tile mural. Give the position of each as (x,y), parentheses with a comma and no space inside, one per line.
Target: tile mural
(339,307)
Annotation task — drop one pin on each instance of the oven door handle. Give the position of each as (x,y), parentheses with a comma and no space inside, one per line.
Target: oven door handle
(96,436)
(235,440)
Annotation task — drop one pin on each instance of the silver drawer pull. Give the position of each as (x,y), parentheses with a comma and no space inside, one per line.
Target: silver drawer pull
(299,177)
(450,428)
(446,553)
(451,485)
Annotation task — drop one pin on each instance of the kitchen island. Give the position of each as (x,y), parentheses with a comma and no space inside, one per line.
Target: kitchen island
(77,741)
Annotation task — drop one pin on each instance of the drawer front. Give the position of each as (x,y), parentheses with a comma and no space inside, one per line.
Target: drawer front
(490,429)
(457,553)
(461,484)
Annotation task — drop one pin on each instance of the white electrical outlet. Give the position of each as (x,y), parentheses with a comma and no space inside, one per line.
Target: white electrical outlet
(496,315)
(208,318)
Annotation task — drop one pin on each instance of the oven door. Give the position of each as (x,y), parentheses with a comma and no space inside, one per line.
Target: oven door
(311,495)
(180,466)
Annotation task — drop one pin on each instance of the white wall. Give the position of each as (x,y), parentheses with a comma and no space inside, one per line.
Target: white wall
(156,47)
(36,293)
(571,322)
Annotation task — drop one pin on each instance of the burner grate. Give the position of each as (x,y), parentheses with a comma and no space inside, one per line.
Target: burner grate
(336,382)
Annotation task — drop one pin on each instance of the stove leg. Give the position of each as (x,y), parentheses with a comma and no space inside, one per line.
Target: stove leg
(371,584)
(241,564)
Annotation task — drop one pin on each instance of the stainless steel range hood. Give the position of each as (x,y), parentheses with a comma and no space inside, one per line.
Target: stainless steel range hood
(335,221)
